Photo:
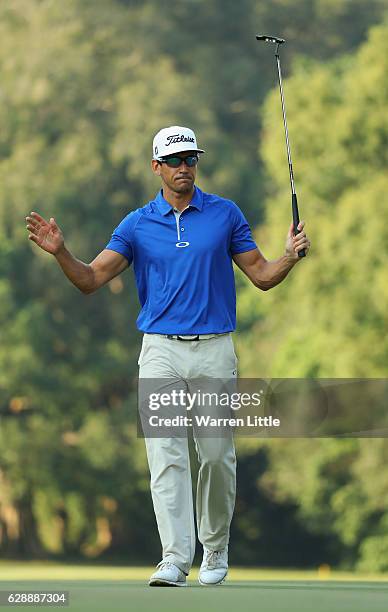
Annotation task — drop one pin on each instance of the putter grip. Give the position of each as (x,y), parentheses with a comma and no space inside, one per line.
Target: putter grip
(295,219)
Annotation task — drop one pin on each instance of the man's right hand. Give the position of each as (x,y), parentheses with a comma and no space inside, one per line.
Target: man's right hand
(47,235)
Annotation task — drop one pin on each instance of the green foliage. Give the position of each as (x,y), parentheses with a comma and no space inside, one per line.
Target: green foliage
(329,318)
(336,299)
(84,87)
(374,554)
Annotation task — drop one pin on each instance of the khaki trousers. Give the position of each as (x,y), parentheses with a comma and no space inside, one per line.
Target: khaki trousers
(168,457)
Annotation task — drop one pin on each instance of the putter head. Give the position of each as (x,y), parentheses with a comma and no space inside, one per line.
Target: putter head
(271,39)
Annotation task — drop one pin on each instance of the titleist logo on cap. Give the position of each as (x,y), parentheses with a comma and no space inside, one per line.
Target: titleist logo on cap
(177,138)
(174,139)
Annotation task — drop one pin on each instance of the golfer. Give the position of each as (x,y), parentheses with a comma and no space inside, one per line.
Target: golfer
(182,245)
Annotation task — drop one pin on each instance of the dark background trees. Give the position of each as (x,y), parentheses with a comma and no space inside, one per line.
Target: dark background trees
(84,86)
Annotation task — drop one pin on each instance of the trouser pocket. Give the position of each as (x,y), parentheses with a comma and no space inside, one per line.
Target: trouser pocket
(143,350)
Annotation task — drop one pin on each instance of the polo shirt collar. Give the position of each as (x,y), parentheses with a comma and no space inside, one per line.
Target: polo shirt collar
(164,207)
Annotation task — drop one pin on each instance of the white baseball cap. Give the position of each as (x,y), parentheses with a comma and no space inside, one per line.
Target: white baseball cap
(174,139)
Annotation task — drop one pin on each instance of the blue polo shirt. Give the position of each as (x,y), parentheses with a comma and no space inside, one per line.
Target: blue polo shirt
(183,263)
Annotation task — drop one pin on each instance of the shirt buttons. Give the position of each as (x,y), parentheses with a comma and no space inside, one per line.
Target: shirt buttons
(182,229)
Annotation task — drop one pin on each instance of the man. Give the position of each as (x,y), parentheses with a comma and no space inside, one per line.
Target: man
(182,245)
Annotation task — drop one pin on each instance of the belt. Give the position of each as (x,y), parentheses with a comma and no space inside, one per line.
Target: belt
(187,338)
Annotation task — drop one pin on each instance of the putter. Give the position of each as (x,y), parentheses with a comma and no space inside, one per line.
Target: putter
(294,201)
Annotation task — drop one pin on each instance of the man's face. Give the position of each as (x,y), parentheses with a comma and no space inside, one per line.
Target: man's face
(179,180)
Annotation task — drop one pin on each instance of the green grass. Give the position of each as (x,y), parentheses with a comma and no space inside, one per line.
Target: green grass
(115,589)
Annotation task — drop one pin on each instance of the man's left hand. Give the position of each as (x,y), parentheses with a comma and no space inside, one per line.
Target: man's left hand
(296,243)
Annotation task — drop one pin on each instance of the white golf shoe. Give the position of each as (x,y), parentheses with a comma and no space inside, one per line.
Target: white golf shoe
(214,567)
(167,574)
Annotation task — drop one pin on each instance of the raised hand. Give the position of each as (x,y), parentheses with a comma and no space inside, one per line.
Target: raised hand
(298,242)
(47,235)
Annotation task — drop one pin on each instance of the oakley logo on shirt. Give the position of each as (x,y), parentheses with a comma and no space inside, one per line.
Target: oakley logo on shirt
(184,289)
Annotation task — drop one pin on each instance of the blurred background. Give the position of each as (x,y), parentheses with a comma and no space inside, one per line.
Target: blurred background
(84,85)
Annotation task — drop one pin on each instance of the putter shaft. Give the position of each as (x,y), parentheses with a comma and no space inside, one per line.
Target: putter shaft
(294,202)
(285,126)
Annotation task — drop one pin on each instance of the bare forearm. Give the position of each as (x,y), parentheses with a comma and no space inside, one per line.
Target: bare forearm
(78,272)
(271,273)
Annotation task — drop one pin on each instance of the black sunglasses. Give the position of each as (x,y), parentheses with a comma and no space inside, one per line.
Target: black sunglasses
(175,161)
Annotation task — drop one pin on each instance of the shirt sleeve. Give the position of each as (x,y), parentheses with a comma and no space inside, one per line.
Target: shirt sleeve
(241,238)
(121,240)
